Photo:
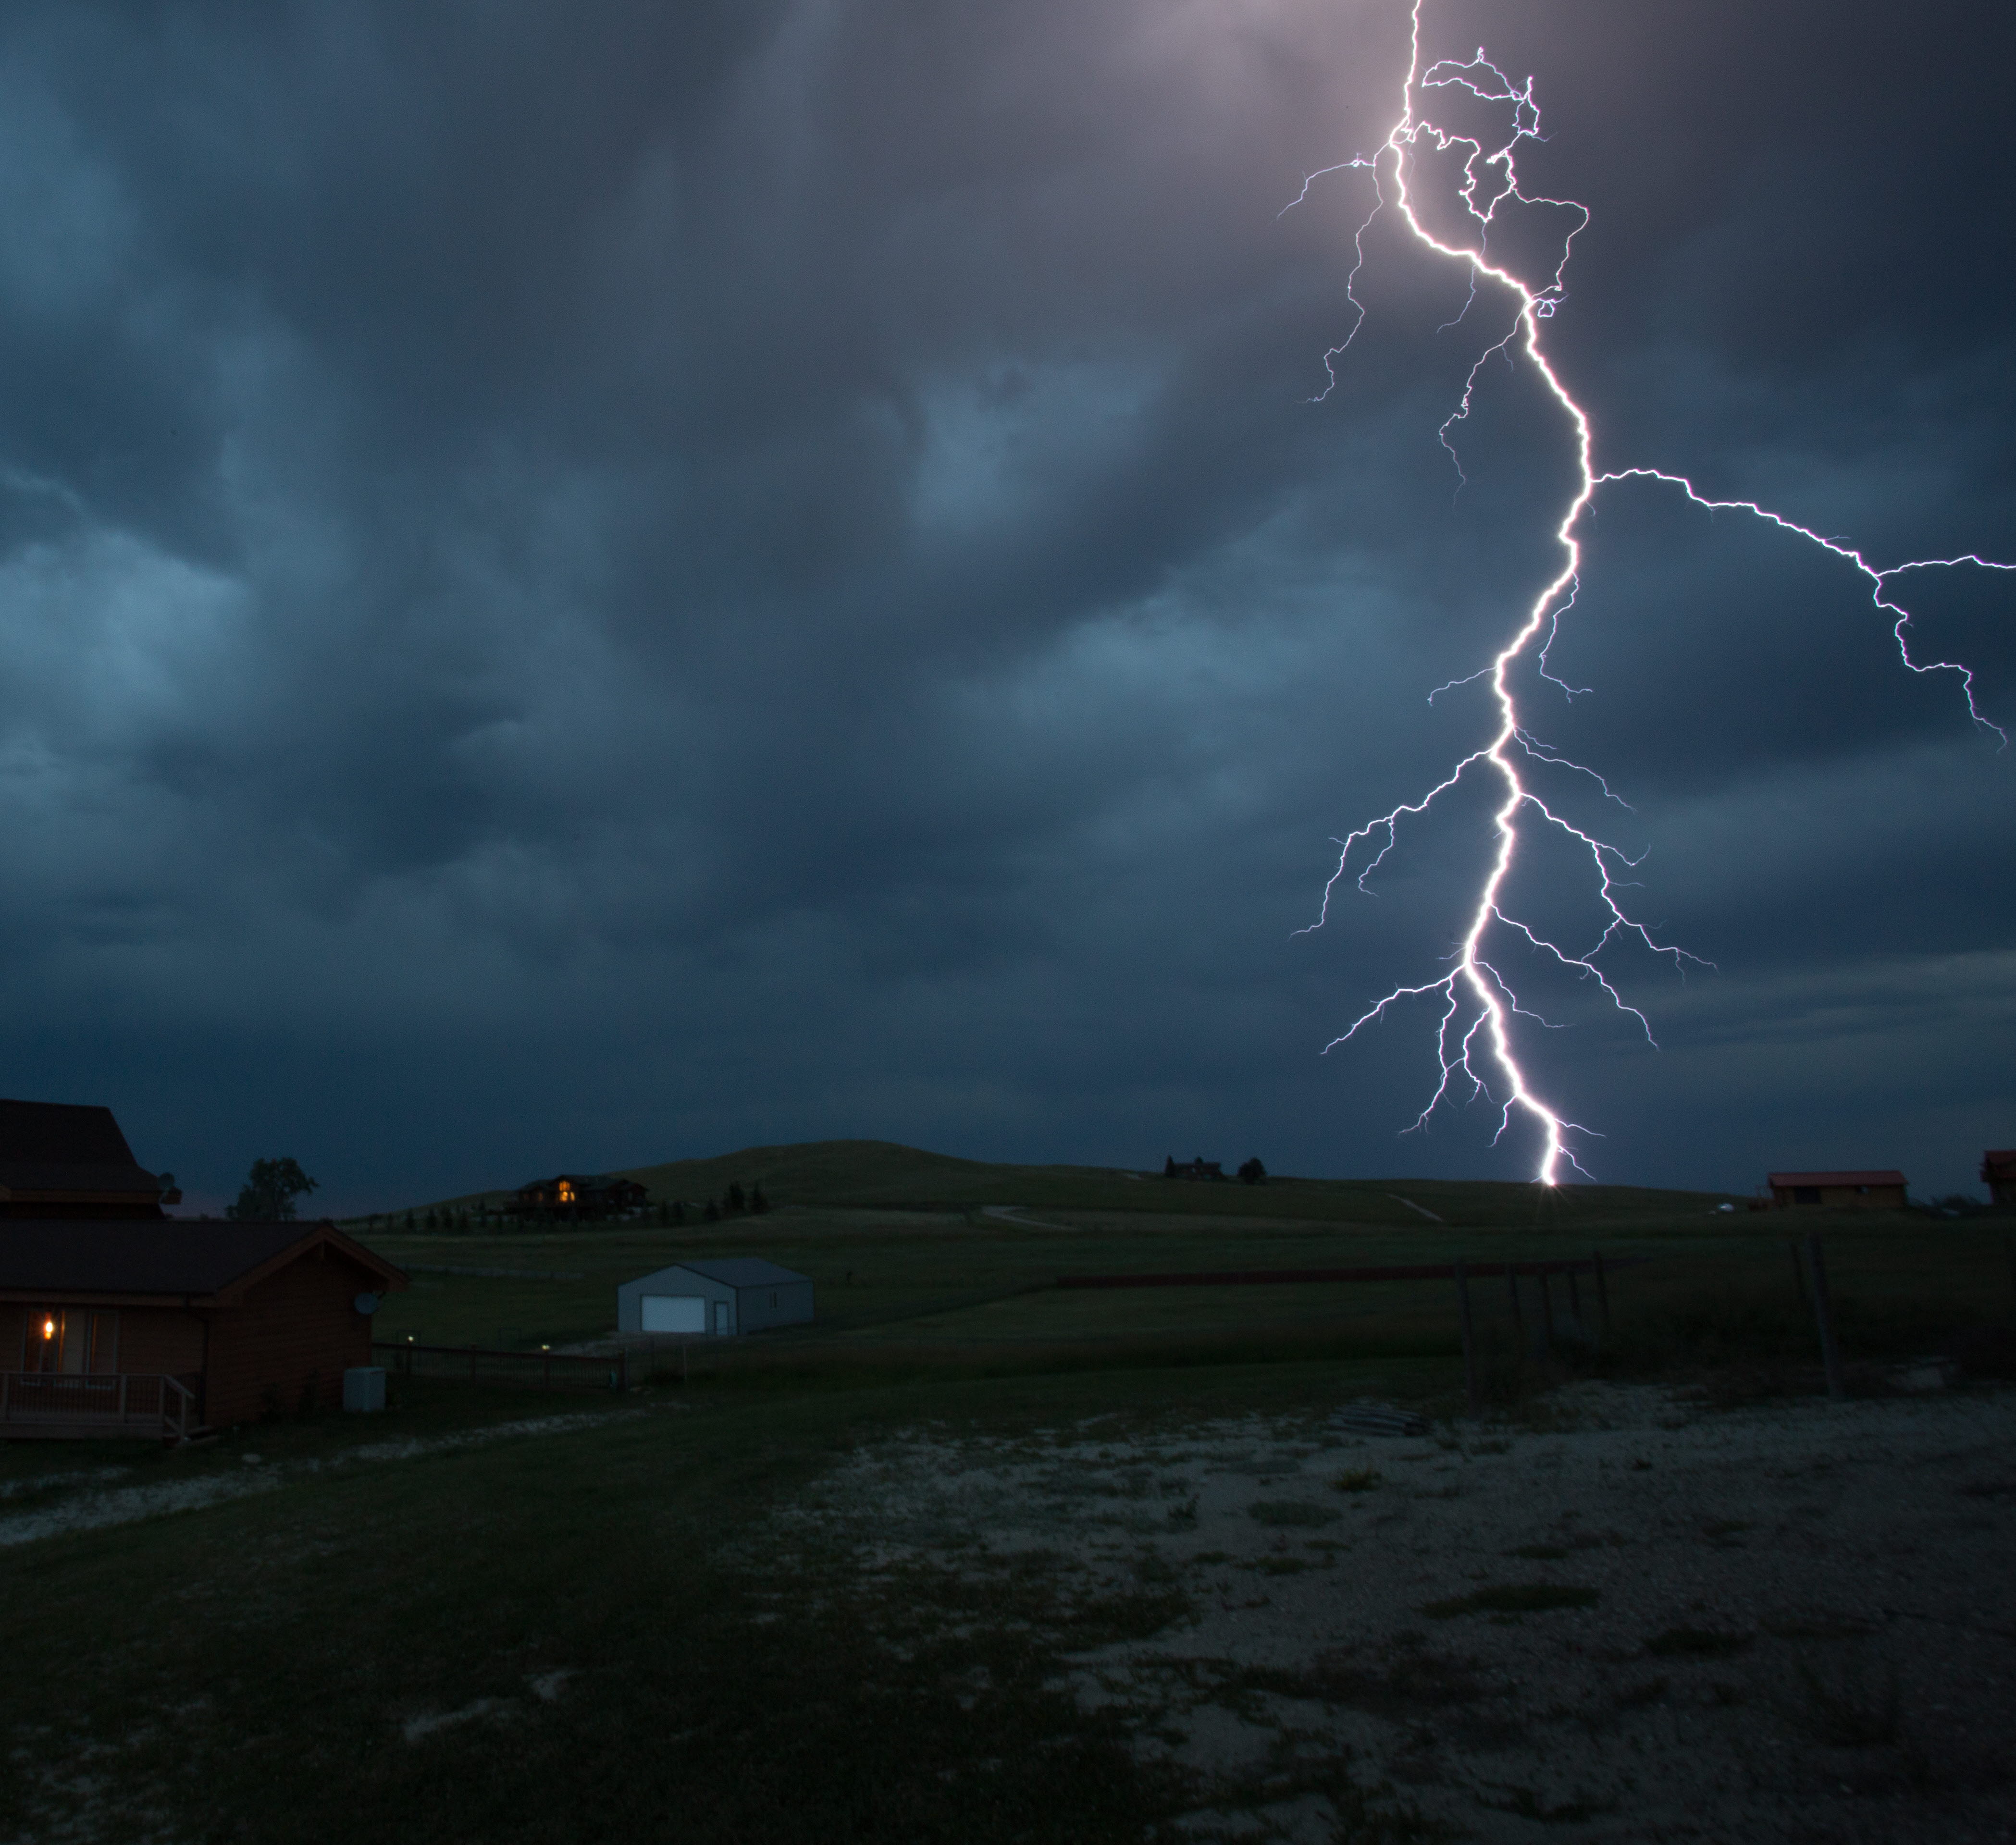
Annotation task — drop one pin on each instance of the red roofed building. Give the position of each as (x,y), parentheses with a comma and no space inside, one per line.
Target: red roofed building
(1882,1190)
(1998,1173)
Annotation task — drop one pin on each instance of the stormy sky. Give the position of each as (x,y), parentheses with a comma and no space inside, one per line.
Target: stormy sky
(582,586)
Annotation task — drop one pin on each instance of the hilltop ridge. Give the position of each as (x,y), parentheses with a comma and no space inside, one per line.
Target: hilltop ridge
(880,1174)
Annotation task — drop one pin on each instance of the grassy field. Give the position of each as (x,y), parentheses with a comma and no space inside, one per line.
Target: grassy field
(973,1293)
(468,1620)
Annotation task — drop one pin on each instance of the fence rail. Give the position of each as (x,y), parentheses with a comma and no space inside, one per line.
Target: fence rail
(559,1371)
(1259,1278)
(96,1403)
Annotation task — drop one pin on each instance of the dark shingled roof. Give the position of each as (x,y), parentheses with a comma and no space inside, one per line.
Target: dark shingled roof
(54,1146)
(151,1255)
(744,1271)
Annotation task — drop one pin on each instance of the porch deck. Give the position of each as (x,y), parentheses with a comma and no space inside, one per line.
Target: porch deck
(81,1406)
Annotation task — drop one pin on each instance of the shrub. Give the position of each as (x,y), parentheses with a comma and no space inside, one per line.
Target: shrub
(1291,1511)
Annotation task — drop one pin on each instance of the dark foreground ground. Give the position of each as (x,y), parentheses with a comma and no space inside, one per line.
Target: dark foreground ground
(973,1563)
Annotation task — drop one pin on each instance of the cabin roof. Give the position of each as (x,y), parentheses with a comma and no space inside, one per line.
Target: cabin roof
(165,1256)
(49,1146)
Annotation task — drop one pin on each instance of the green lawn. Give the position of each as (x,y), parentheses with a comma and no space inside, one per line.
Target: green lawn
(622,1645)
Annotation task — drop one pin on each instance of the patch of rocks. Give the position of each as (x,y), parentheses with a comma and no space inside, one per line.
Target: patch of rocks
(1643,1620)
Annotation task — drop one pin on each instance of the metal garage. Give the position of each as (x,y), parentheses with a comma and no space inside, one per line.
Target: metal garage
(736,1294)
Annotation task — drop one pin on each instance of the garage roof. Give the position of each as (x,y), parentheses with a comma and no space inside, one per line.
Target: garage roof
(744,1271)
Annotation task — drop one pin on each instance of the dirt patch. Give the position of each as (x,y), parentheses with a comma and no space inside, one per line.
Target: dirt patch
(1650,1620)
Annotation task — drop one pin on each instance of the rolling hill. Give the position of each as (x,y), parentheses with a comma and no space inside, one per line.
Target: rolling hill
(875,1174)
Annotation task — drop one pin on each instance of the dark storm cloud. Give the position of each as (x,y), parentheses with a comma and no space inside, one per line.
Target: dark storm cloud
(584,586)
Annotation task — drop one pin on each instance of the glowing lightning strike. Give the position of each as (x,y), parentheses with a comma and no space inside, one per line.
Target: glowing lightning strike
(1478,1004)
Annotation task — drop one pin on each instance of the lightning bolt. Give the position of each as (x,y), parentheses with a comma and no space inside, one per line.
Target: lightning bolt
(1476,1037)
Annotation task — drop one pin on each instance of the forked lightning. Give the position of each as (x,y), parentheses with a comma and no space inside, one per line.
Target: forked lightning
(1475,1038)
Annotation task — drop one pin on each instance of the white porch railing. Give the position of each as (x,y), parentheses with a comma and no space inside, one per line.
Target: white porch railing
(96,1403)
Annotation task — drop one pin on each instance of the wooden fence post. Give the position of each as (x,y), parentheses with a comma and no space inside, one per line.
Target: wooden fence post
(1546,1309)
(1823,1311)
(1574,1299)
(1798,1272)
(1518,1312)
(1472,1396)
(1602,1291)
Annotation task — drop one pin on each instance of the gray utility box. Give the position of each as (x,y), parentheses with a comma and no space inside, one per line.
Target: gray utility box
(364,1389)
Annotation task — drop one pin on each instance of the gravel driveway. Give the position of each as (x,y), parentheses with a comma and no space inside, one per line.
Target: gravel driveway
(1649,1622)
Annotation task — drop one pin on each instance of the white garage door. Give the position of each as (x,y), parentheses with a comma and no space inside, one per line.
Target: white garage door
(675,1313)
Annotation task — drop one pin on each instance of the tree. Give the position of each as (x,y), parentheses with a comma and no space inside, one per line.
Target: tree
(269,1191)
(1169,1166)
(1253,1172)
(736,1201)
(758,1203)
(713,1212)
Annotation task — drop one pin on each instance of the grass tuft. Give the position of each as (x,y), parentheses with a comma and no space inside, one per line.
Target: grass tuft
(1696,1643)
(1291,1511)
(1850,1712)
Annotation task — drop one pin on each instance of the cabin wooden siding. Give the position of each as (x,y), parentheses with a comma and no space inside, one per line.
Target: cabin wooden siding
(150,1339)
(169,1339)
(285,1344)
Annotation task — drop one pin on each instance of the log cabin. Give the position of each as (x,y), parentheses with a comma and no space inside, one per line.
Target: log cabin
(171,1328)
(575,1196)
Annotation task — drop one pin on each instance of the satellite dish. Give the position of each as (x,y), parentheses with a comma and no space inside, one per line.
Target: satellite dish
(366,1304)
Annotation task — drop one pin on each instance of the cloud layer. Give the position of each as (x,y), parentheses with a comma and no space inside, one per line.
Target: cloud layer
(578,588)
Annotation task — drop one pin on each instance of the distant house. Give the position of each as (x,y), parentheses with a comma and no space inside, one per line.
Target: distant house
(1869,1191)
(63,1160)
(739,1294)
(1199,1168)
(1998,1173)
(165,1328)
(574,1196)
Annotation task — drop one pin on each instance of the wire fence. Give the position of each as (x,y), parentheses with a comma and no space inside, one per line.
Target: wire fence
(555,1371)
